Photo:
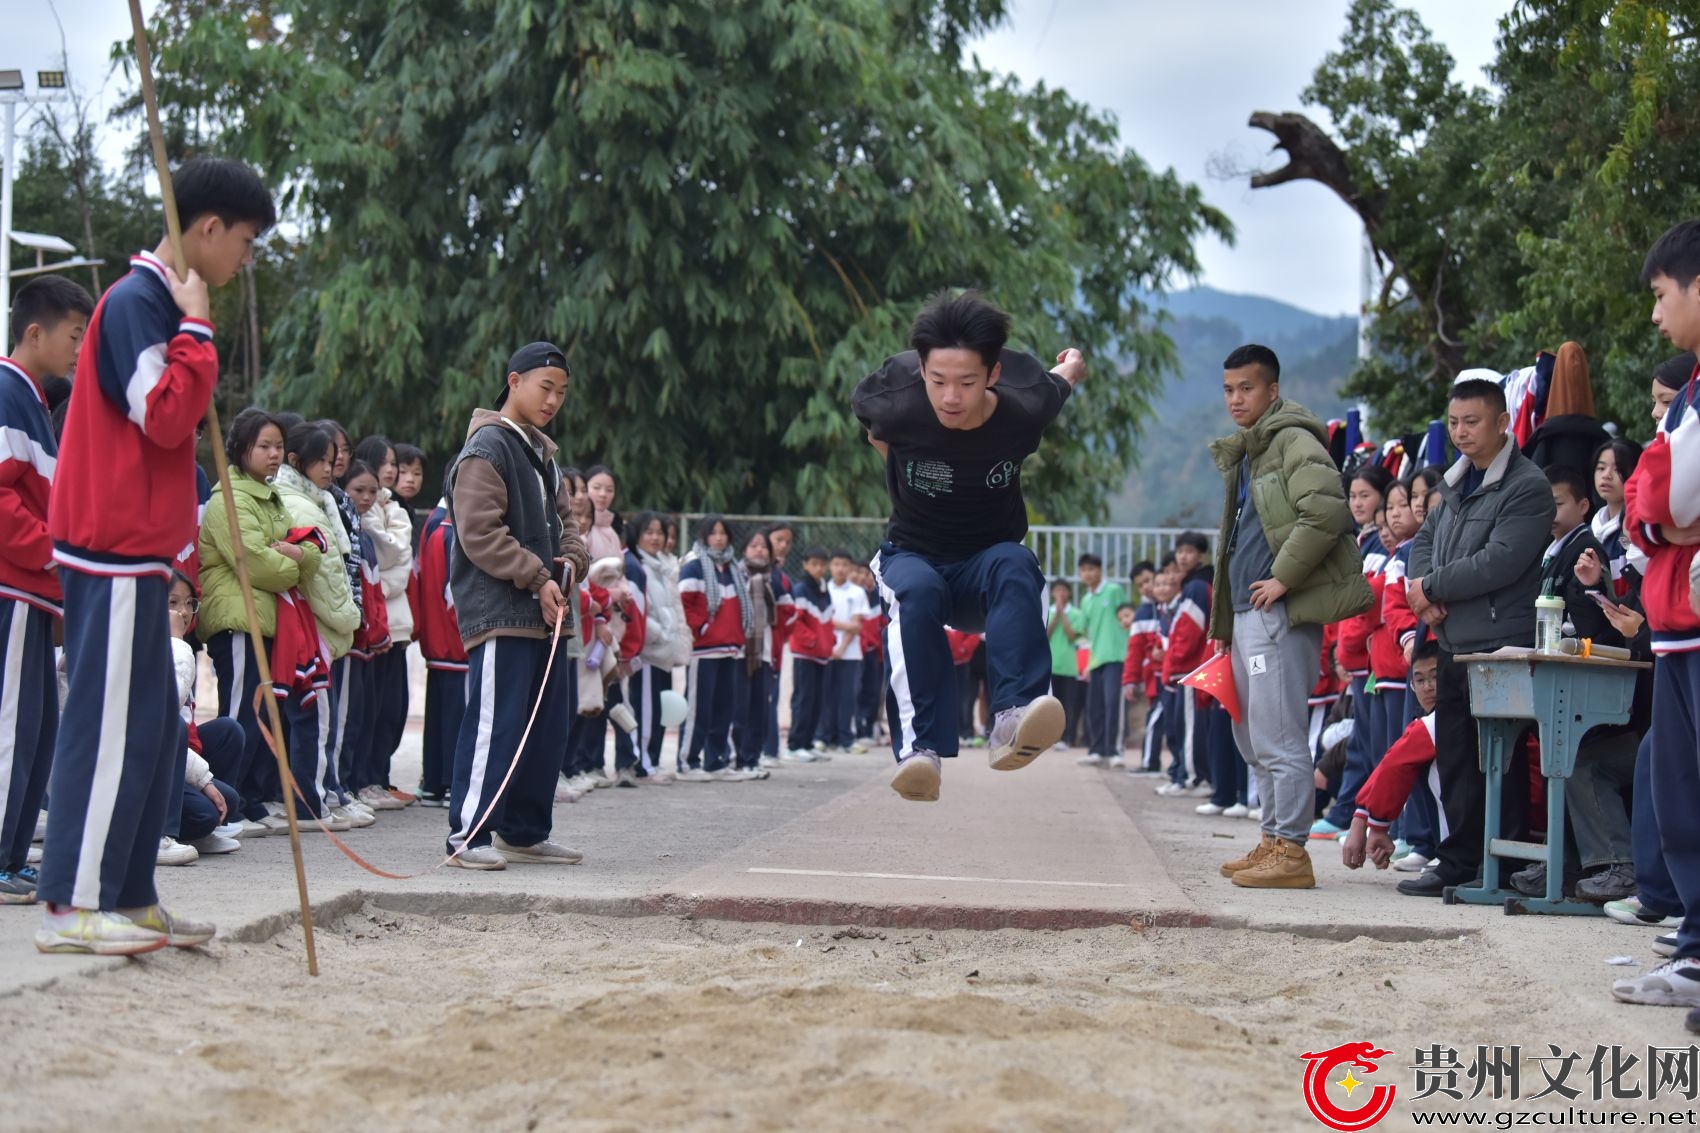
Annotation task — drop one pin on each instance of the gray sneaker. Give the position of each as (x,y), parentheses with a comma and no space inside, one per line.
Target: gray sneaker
(917,777)
(1020,734)
(1675,983)
(1611,884)
(15,890)
(540,853)
(479,857)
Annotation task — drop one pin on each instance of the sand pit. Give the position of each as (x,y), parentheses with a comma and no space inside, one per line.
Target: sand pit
(547,1021)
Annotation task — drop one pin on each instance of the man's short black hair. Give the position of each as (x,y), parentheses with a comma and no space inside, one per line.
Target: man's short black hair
(1480,389)
(1167,561)
(1056,582)
(816,553)
(1428,650)
(1252,354)
(1139,568)
(245,430)
(1088,559)
(1673,373)
(1194,539)
(1573,480)
(1676,255)
(841,553)
(46,301)
(406,454)
(226,189)
(967,321)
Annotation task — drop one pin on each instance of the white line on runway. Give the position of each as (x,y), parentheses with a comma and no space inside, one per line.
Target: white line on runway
(937,877)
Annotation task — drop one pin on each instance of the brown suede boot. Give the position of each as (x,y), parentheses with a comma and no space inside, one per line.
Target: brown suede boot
(1286,866)
(1258,853)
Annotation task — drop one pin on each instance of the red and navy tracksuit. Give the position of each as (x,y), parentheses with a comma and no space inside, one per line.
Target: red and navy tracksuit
(873,671)
(1144,638)
(717,653)
(358,763)
(1665,492)
(29,605)
(1189,647)
(1352,650)
(145,376)
(812,640)
(437,633)
(785,606)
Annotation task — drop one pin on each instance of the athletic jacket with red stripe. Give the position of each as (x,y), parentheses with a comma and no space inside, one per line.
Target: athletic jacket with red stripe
(27,456)
(872,627)
(144,377)
(435,627)
(784,613)
(1665,491)
(1383,795)
(1326,690)
(1189,647)
(1144,639)
(1394,623)
(723,634)
(810,634)
(1352,649)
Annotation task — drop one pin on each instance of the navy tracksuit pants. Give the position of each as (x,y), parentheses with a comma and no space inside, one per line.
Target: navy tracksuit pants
(646,686)
(1106,711)
(706,738)
(504,679)
(117,755)
(1229,773)
(445,708)
(255,775)
(356,687)
(1675,776)
(390,695)
(749,714)
(808,682)
(1361,756)
(838,705)
(770,741)
(194,815)
(870,689)
(999,591)
(29,715)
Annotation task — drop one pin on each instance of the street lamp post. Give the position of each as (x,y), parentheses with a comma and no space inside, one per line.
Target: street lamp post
(11,97)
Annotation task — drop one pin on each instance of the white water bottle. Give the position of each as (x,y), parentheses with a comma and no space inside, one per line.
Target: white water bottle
(1549,623)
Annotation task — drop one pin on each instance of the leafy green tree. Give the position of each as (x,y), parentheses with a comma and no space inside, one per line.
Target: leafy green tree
(726,213)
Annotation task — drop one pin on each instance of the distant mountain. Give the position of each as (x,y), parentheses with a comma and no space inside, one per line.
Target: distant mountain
(1175,483)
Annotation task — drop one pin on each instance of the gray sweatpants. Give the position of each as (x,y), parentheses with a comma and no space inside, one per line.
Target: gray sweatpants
(1275,667)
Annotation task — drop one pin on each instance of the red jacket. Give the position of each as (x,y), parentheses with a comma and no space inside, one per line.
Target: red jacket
(723,634)
(630,643)
(374,631)
(1384,793)
(1395,624)
(872,625)
(1189,647)
(1665,491)
(1327,688)
(27,456)
(145,376)
(784,614)
(1353,646)
(962,645)
(1144,641)
(809,632)
(298,654)
(435,627)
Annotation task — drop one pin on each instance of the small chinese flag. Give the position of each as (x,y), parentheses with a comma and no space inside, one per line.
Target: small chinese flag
(1216,678)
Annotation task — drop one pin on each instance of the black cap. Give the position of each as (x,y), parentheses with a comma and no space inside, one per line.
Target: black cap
(532,356)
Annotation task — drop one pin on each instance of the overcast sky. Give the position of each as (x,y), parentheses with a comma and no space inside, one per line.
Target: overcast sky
(1181,79)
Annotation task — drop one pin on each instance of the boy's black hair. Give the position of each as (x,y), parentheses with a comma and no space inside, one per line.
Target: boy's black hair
(1087,558)
(406,454)
(1624,451)
(226,189)
(1574,480)
(1167,562)
(1128,606)
(1056,582)
(841,553)
(1253,354)
(371,451)
(1197,540)
(245,430)
(1480,389)
(1673,373)
(636,528)
(1676,254)
(308,444)
(288,420)
(1140,568)
(967,321)
(46,301)
(820,553)
(1427,650)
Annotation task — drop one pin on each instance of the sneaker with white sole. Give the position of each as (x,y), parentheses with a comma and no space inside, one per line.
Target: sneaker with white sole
(1412,862)
(658,778)
(1629,911)
(1238,810)
(796,755)
(173,852)
(1675,983)
(598,780)
(89,933)
(276,824)
(626,777)
(360,809)
(377,798)
(15,890)
(330,820)
(435,799)
(539,853)
(1664,945)
(1208,809)
(216,843)
(1201,790)
(770,761)
(730,775)
(479,857)
(917,777)
(857,747)
(1092,759)
(1117,763)
(1019,734)
(565,794)
(1255,814)
(695,775)
(1169,789)
(179,932)
(356,819)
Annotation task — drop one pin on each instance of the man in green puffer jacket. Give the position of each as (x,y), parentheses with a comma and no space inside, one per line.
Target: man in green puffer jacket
(1286,565)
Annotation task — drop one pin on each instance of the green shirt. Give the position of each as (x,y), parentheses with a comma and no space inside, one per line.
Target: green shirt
(1103,630)
(1063,662)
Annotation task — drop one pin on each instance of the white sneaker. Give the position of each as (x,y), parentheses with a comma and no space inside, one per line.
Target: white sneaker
(1020,734)
(1169,788)
(658,778)
(479,857)
(1117,762)
(1091,759)
(1238,810)
(1059,746)
(770,761)
(1202,791)
(598,780)
(540,853)
(355,818)
(1412,862)
(1629,911)
(1255,814)
(917,777)
(1208,809)
(216,843)
(359,809)
(93,933)
(173,852)
(730,775)
(376,798)
(274,824)
(583,783)
(1675,983)
(328,820)
(857,747)
(695,775)
(565,794)
(796,755)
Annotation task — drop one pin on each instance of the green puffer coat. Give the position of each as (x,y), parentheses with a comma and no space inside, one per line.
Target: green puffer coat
(262,520)
(1302,507)
(327,591)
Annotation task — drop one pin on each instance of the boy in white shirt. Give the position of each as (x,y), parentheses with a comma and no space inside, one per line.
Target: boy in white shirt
(849,607)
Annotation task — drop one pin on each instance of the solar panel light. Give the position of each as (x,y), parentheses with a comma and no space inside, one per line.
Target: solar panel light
(50,80)
(11,80)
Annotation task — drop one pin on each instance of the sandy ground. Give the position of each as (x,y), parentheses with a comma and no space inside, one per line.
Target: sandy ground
(543,1021)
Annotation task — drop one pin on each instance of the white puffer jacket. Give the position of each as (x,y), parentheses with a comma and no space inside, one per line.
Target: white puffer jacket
(392,533)
(667,638)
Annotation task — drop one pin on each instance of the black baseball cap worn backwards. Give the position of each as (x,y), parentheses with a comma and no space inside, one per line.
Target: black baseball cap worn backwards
(532,356)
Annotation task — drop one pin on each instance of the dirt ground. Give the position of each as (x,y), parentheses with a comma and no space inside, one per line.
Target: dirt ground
(543,1021)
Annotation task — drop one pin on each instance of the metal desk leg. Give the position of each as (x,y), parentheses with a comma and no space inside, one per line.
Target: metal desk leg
(1496,738)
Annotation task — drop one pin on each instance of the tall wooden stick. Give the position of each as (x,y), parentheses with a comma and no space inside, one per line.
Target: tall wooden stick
(238,556)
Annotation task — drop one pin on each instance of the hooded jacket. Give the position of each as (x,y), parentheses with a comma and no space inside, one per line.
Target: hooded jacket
(392,537)
(655,586)
(1301,506)
(1482,556)
(327,590)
